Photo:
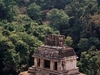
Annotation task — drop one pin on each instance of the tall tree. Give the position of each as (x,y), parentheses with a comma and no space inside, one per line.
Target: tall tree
(34,11)
(58,19)
(9,58)
(89,62)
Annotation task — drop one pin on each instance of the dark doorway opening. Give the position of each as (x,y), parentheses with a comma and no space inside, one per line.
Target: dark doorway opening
(52,74)
(55,68)
(47,64)
(38,62)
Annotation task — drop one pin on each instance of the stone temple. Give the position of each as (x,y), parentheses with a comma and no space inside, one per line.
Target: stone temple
(54,58)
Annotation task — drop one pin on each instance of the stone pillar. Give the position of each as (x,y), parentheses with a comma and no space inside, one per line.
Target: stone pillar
(52,65)
(35,62)
(59,66)
(41,63)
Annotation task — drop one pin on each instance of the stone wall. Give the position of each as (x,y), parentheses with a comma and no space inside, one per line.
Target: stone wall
(70,63)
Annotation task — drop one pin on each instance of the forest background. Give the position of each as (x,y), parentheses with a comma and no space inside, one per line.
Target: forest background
(24,23)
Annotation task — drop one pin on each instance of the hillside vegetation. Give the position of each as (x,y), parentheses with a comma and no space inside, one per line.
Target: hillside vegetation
(24,23)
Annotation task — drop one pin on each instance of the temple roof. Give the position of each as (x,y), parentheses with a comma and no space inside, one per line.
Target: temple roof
(54,48)
(54,52)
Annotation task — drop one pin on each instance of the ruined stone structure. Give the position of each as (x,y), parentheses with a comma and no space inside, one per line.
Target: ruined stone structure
(54,58)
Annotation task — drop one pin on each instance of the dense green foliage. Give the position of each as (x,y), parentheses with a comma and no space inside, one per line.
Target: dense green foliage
(24,23)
